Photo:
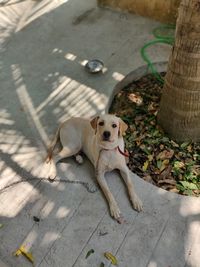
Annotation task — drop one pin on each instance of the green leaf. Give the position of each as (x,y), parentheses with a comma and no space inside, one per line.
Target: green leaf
(190,163)
(188,185)
(127,119)
(1,225)
(156,133)
(190,176)
(184,145)
(159,164)
(178,165)
(180,187)
(165,139)
(174,144)
(91,251)
(145,150)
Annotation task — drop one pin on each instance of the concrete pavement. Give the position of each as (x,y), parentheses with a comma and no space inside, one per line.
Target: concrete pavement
(43,82)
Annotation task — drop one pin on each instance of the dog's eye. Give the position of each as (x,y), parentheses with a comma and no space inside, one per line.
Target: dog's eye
(101,123)
(114,125)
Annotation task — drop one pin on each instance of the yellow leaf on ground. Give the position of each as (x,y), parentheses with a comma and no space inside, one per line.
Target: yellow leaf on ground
(150,157)
(23,251)
(145,166)
(164,164)
(110,257)
(17,252)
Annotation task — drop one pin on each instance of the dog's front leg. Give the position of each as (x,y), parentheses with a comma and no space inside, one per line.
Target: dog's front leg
(114,209)
(136,202)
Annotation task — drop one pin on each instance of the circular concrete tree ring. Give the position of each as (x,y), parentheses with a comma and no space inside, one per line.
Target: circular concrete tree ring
(134,76)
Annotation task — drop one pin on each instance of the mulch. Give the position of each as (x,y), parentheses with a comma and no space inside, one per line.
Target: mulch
(153,155)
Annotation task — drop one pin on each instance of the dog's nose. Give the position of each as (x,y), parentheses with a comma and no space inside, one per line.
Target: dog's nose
(106,135)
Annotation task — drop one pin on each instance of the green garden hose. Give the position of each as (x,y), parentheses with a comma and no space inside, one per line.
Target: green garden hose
(161,39)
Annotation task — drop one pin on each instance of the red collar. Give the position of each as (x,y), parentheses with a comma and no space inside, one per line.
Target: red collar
(125,154)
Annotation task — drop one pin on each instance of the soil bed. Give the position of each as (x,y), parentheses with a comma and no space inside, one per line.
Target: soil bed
(153,155)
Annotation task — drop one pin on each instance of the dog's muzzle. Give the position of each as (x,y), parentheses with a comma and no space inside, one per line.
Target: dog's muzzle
(106,136)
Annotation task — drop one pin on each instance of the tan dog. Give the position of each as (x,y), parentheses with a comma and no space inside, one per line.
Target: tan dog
(102,141)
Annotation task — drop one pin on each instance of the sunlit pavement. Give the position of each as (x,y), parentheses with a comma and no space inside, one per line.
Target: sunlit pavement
(44,47)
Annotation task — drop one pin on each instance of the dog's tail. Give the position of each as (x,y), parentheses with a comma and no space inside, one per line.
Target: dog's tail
(52,146)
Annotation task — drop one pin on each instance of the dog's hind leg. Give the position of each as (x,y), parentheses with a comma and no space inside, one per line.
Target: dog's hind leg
(66,152)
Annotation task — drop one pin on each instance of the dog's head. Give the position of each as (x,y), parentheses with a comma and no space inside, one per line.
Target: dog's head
(108,129)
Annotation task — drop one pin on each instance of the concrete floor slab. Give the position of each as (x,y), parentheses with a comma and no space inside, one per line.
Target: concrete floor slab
(43,82)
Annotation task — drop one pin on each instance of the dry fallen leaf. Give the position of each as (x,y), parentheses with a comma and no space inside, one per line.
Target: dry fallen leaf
(136,99)
(23,251)
(178,164)
(167,181)
(167,186)
(111,257)
(148,178)
(174,190)
(153,107)
(164,164)
(165,154)
(189,148)
(166,173)
(139,118)
(174,144)
(196,169)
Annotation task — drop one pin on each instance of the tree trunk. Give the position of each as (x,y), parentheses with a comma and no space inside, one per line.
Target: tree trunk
(179,113)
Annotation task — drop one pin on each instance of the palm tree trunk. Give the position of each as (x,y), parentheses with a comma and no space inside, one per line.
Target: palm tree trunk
(179,113)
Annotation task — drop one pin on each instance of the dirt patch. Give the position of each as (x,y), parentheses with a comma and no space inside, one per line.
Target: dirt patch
(153,155)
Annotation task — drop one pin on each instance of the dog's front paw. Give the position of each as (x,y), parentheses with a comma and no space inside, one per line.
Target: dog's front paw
(136,203)
(114,211)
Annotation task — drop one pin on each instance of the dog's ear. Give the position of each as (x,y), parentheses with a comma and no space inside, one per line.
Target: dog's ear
(93,123)
(122,127)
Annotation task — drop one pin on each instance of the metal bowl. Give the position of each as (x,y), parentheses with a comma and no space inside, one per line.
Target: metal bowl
(94,66)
